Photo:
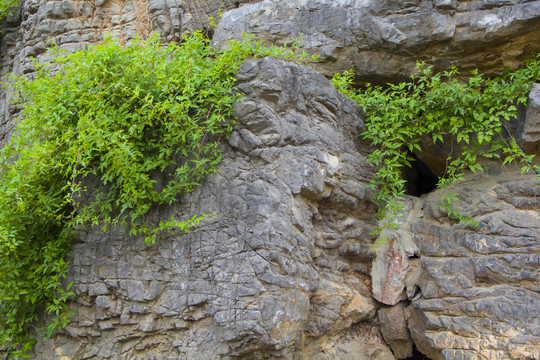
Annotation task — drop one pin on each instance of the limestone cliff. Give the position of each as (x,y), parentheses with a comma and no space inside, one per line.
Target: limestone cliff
(286,267)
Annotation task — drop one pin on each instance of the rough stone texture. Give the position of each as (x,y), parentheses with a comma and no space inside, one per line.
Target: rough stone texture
(528,133)
(391,264)
(394,330)
(382,40)
(281,270)
(391,289)
(201,10)
(480,294)
(286,267)
(360,342)
(78,24)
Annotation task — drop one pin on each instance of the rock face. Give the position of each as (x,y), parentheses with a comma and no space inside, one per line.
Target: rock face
(382,40)
(286,267)
(391,264)
(480,294)
(395,332)
(528,132)
(282,269)
(78,24)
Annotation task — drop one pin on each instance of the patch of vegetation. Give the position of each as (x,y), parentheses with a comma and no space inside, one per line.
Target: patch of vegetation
(440,106)
(6,6)
(118,116)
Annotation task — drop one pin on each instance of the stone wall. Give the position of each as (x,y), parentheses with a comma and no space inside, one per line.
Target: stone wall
(479,287)
(286,267)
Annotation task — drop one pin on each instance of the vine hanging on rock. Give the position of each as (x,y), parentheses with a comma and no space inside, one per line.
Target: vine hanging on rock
(440,106)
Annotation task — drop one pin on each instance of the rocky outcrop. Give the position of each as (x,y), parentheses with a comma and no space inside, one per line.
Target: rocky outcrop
(71,25)
(281,269)
(286,267)
(395,332)
(480,291)
(528,132)
(383,40)
(391,264)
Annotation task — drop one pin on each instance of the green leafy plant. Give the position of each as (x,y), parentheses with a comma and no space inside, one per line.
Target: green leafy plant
(447,203)
(124,128)
(6,6)
(443,107)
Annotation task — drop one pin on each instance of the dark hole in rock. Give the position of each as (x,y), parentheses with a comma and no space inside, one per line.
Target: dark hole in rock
(360,81)
(417,355)
(208,32)
(420,178)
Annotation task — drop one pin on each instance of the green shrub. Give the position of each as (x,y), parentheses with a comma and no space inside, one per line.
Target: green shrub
(6,6)
(123,115)
(439,106)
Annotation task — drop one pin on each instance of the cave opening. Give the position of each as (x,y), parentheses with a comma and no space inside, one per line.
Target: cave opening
(420,179)
(417,355)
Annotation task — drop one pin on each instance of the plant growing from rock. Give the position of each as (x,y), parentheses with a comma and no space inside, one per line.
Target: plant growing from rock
(119,118)
(441,106)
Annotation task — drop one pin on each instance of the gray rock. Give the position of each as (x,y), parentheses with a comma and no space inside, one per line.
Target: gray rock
(383,40)
(394,330)
(391,265)
(285,269)
(446,4)
(479,287)
(389,276)
(273,272)
(528,136)
(360,342)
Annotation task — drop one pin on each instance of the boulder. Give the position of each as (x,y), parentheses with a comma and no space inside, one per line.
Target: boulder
(394,330)
(393,249)
(267,274)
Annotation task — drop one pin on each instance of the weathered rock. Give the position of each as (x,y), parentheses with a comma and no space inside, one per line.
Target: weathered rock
(360,342)
(394,330)
(528,134)
(200,11)
(391,264)
(265,275)
(286,268)
(480,287)
(385,39)
(78,24)
(389,278)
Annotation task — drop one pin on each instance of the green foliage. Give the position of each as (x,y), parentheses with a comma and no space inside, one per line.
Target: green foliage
(447,203)
(119,118)
(289,51)
(6,6)
(442,107)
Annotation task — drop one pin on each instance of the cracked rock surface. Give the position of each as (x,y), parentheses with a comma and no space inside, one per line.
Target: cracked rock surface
(286,267)
(282,269)
(383,40)
(480,294)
